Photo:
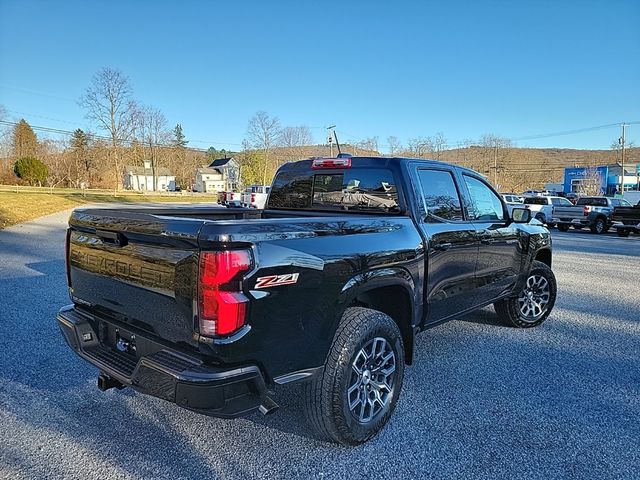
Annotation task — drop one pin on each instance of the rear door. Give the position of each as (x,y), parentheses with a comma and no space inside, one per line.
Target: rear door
(499,260)
(452,245)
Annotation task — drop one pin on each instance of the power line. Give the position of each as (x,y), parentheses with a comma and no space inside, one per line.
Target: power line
(470,143)
(127,141)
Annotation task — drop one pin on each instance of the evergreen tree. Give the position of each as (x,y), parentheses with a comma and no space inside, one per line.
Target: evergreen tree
(31,170)
(80,147)
(25,143)
(178,137)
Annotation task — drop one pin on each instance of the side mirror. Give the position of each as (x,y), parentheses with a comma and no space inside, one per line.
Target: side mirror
(521,215)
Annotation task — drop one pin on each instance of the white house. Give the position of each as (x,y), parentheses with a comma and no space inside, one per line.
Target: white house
(221,175)
(209,180)
(141,179)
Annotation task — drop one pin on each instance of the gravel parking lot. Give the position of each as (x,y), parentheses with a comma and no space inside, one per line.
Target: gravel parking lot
(481,400)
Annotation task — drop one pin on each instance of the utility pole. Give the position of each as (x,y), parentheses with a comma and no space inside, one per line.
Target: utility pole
(331,134)
(495,165)
(621,141)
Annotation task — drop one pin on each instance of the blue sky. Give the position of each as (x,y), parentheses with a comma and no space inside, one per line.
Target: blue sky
(372,68)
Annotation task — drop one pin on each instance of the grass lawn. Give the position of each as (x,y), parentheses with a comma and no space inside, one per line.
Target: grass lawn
(23,206)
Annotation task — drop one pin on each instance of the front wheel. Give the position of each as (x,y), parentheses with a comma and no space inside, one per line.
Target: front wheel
(534,303)
(563,228)
(356,393)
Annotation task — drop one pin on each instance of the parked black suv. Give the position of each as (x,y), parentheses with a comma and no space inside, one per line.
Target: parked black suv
(213,308)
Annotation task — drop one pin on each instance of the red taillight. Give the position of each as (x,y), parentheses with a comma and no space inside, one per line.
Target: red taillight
(586,211)
(253,198)
(331,163)
(222,305)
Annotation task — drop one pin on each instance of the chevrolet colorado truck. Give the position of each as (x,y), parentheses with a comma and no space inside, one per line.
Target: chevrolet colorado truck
(214,308)
(592,212)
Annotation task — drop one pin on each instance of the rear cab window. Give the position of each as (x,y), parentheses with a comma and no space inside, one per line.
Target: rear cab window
(536,201)
(592,201)
(353,190)
(561,202)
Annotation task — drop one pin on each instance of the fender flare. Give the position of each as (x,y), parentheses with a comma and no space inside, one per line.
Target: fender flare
(378,278)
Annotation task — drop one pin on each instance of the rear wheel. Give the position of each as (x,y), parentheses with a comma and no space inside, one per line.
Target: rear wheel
(599,225)
(534,303)
(356,393)
(563,228)
(623,232)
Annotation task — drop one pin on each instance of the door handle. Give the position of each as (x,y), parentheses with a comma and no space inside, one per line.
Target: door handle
(442,246)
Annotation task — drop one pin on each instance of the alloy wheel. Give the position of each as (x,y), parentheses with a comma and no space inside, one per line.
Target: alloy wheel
(373,372)
(534,299)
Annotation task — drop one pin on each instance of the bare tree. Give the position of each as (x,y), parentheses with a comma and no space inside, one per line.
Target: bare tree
(108,103)
(591,182)
(420,147)
(394,145)
(151,127)
(369,143)
(439,144)
(264,133)
(296,136)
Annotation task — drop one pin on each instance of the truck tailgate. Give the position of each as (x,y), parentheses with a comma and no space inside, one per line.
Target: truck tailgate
(569,213)
(138,268)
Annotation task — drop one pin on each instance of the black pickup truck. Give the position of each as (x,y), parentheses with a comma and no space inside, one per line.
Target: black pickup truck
(626,219)
(213,308)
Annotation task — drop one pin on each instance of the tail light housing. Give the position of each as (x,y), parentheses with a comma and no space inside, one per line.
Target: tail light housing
(253,198)
(586,210)
(222,307)
(319,163)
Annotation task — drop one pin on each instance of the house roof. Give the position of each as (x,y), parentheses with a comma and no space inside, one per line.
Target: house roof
(208,170)
(220,162)
(141,171)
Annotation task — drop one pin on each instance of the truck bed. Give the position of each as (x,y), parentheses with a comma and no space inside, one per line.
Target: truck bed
(139,266)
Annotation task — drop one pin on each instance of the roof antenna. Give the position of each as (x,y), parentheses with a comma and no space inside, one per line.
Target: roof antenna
(337,143)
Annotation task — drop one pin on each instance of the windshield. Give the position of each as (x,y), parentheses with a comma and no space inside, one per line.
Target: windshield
(353,190)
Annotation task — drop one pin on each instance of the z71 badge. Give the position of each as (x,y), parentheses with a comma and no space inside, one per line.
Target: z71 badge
(277,280)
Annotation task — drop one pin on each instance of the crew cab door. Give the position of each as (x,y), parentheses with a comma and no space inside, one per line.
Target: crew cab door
(451,245)
(499,256)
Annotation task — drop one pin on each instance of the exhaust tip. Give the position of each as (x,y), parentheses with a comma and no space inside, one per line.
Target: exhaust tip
(268,406)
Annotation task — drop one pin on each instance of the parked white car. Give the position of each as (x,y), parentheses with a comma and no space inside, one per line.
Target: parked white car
(512,201)
(255,196)
(542,207)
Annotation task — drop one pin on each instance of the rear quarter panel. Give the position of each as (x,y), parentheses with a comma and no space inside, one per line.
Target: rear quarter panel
(292,325)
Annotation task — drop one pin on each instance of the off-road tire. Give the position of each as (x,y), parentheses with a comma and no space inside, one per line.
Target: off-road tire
(509,309)
(326,402)
(599,225)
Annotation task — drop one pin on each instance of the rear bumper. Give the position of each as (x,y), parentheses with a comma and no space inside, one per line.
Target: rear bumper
(169,374)
(583,222)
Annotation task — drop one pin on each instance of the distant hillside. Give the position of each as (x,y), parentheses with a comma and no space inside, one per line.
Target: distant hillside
(518,168)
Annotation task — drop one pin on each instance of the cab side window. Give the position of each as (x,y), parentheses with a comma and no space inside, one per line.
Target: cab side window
(441,198)
(485,204)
